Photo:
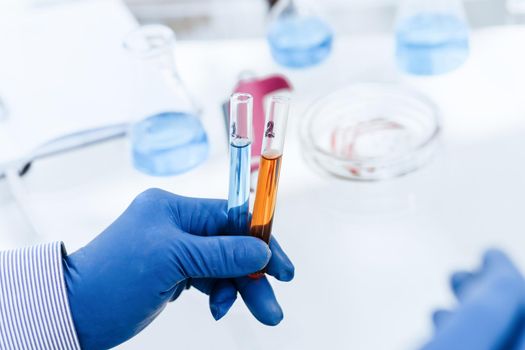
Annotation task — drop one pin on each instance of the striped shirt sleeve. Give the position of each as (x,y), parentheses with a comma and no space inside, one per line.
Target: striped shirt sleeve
(34,308)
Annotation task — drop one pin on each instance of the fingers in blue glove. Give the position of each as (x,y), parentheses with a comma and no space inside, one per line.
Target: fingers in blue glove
(460,282)
(208,217)
(490,311)
(199,216)
(280,265)
(260,299)
(220,256)
(222,292)
(257,295)
(495,260)
(440,318)
(222,297)
(189,213)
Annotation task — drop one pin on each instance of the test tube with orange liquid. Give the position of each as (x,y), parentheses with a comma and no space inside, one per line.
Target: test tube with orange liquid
(269,170)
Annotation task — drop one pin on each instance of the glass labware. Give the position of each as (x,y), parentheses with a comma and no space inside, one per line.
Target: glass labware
(432,36)
(172,142)
(298,36)
(370,131)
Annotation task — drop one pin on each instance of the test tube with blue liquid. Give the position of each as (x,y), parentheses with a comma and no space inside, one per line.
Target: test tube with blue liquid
(298,37)
(171,142)
(432,36)
(240,131)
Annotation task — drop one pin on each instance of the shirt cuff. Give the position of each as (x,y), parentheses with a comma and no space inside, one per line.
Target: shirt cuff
(34,308)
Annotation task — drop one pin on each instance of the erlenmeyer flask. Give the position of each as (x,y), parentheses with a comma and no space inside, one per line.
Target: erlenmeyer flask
(297,35)
(432,36)
(173,142)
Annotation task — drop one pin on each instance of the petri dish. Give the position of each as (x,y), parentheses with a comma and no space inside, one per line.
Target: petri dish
(370,131)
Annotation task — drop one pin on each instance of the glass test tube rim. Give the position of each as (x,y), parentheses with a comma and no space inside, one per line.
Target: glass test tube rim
(237,99)
(280,99)
(273,153)
(306,131)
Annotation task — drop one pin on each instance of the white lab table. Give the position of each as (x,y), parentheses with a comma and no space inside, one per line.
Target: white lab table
(372,259)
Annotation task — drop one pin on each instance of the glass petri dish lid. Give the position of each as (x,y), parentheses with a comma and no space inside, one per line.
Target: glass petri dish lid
(370,131)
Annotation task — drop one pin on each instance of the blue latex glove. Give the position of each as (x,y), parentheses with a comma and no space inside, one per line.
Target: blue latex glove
(160,245)
(491,310)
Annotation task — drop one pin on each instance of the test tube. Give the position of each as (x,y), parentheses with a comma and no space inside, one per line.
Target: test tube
(269,169)
(241,111)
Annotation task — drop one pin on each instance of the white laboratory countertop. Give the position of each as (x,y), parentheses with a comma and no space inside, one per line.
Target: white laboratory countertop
(372,259)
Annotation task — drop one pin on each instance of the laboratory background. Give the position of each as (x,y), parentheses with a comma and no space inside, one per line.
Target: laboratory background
(403,158)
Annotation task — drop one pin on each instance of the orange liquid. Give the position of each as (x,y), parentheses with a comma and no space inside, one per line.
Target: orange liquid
(265,199)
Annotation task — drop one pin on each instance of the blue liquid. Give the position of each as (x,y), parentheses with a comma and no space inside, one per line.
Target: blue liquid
(168,144)
(429,44)
(300,41)
(239,192)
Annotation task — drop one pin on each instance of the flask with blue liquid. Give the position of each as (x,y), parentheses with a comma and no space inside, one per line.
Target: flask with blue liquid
(298,36)
(171,142)
(432,36)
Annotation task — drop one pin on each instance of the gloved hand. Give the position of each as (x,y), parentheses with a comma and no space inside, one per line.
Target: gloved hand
(160,245)
(491,310)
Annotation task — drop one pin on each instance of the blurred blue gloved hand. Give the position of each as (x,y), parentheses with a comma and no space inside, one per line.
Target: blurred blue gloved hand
(491,310)
(160,245)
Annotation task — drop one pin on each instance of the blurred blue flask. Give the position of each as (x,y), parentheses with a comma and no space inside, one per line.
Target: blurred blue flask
(432,37)
(168,143)
(297,36)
